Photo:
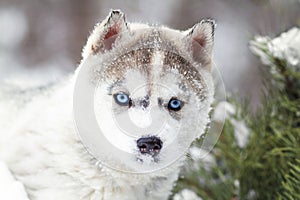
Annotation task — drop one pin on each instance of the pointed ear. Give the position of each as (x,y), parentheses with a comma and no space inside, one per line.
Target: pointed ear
(105,34)
(201,38)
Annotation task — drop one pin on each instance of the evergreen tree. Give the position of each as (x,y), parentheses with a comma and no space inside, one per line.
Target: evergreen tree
(257,155)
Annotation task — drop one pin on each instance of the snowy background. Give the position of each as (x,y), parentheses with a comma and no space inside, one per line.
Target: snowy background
(44,38)
(41,41)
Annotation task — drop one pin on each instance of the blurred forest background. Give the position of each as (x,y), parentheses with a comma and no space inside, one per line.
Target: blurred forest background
(45,38)
(256,156)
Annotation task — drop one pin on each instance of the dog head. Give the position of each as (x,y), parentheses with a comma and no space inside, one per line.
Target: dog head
(153,87)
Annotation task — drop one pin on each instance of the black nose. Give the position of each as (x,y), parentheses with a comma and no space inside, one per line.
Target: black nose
(149,145)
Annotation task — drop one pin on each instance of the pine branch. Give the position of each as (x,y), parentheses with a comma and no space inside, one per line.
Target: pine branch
(266,165)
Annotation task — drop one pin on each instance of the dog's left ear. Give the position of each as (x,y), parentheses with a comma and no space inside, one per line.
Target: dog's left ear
(201,38)
(106,33)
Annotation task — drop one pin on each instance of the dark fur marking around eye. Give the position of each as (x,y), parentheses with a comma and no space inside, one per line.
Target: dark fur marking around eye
(186,69)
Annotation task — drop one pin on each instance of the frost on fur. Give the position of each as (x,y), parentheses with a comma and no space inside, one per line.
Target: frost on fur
(138,74)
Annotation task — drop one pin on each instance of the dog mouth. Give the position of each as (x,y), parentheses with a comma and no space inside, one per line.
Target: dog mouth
(150,146)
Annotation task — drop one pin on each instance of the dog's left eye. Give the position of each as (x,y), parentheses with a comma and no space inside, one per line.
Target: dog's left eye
(122,99)
(175,104)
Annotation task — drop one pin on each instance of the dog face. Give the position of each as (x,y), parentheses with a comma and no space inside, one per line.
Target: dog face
(153,87)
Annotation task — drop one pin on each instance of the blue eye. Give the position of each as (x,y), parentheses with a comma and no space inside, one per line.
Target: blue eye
(175,104)
(122,99)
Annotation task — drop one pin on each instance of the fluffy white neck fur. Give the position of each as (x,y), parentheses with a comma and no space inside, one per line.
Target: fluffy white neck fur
(42,149)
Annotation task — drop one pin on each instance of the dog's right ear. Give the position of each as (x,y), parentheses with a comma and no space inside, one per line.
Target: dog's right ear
(105,34)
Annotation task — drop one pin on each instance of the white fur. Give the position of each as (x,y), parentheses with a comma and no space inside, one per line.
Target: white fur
(39,143)
(43,151)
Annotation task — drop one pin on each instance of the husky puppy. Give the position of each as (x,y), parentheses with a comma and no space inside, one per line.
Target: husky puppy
(156,76)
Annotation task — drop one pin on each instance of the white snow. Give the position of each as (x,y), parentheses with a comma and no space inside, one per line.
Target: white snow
(241,132)
(223,109)
(186,194)
(206,159)
(285,47)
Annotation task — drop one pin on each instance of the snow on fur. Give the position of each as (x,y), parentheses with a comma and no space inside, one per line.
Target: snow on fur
(42,149)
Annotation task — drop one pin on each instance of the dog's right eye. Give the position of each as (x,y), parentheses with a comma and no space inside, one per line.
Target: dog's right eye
(122,99)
